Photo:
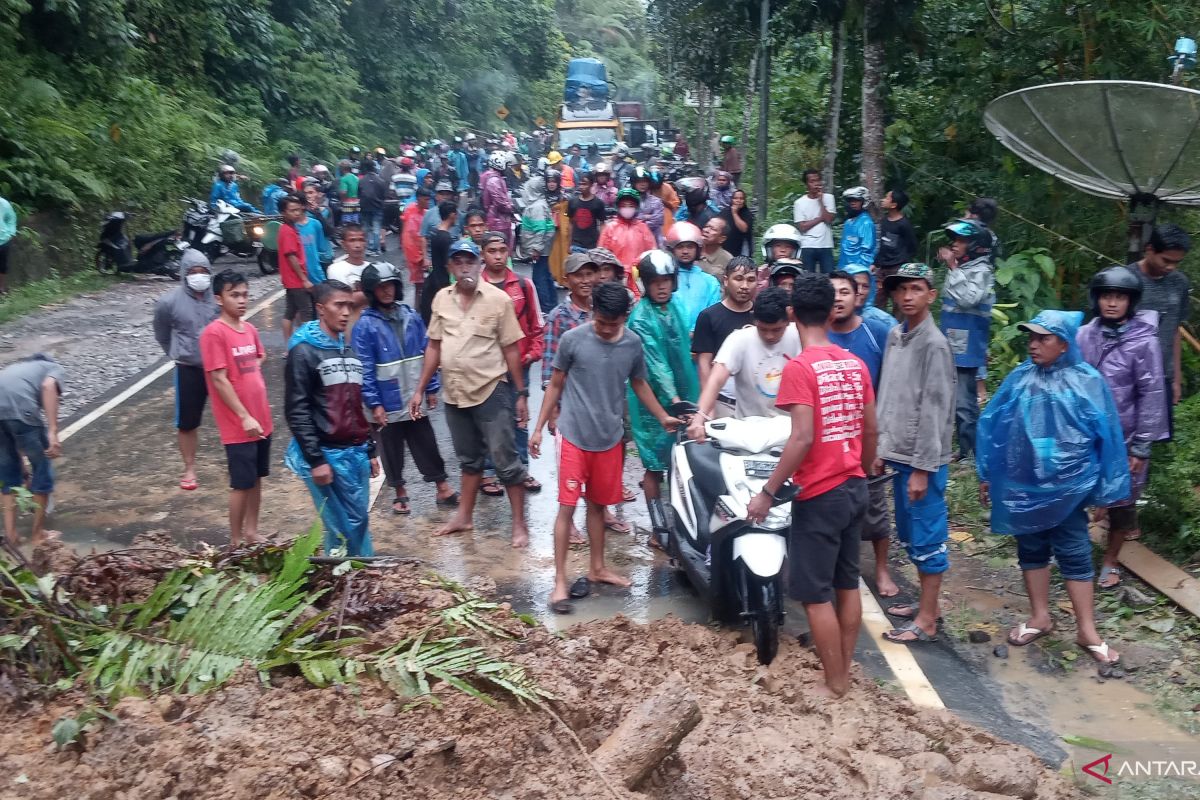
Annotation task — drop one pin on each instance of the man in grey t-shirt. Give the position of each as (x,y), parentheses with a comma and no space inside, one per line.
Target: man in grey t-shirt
(1165,290)
(591,366)
(29,388)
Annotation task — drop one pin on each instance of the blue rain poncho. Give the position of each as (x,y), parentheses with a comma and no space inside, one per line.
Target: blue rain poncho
(344,504)
(1050,440)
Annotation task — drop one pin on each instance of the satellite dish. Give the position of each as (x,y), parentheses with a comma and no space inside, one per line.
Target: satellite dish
(1124,140)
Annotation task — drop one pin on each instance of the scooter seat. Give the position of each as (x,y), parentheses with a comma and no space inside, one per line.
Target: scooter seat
(150,238)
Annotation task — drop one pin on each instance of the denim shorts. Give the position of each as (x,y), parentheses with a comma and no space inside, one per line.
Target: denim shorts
(923,527)
(19,440)
(1067,541)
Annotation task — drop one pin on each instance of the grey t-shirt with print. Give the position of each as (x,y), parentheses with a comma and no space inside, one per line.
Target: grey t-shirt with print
(1168,296)
(593,399)
(21,388)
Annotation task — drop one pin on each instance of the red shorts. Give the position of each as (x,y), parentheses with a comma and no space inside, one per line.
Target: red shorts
(596,476)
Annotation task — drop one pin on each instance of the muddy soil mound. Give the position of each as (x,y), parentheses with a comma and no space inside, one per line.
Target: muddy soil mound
(763,734)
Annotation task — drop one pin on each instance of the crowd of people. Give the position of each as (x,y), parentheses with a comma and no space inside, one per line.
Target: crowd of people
(664,302)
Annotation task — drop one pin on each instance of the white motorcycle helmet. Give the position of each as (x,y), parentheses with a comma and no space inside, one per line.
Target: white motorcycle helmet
(857,193)
(781,232)
(498,160)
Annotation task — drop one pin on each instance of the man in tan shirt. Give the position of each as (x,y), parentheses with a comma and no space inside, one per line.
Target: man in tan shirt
(473,338)
(714,257)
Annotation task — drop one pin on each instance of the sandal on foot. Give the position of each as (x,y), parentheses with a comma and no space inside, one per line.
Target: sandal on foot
(904,610)
(451,500)
(1026,635)
(628,495)
(189,484)
(532,484)
(1099,653)
(581,588)
(491,489)
(919,634)
(400,506)
(618,526)
(562,606)
(1104,573)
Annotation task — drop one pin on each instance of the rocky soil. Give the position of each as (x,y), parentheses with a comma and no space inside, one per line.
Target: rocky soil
(763,733)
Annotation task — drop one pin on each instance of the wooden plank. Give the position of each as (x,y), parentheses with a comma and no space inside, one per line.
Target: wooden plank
(1155,570)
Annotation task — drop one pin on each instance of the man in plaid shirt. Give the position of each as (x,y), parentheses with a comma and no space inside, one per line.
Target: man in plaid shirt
(580,272)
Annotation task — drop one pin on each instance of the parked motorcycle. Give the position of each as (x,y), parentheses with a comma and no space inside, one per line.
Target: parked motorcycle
(223,229)
(734,564)
(149,254)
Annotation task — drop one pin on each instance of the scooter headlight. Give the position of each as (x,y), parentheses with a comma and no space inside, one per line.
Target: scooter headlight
(259,230)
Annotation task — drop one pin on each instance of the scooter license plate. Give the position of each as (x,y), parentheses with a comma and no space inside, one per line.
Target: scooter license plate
(760,469)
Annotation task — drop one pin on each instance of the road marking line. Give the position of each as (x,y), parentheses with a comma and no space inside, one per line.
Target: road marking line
(162,369)
(908,673)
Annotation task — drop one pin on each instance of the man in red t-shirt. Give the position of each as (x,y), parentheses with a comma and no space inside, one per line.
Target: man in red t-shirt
(232,355)
(292,270)
(827,391)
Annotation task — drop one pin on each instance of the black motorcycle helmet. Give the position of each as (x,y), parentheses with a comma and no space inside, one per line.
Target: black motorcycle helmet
(979,238)
(694,191)
(1115,279)
(657,264)
(377,274)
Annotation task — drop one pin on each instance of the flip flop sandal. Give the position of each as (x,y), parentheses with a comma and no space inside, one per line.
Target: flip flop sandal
(910,612)
(581,588)
(618,526)
(562,607)
(1024,631)
(491,489)
(450,501)
(628,495)
(532,485)
(400,506)
(1104,573)
(189,485)
(1099,653)
(912,627)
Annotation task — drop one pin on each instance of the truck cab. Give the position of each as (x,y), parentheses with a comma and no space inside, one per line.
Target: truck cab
(586,124)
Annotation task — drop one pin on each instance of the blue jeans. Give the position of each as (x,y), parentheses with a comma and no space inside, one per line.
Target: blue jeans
(373,222)
(923,527)
(19,439)
(1067,541)
(966,409)
(543,282)
(817,259)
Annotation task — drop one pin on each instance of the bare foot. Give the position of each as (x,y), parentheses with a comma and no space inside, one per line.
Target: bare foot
(609,577)
(887,586)
(520,535)
(823,690)
(46,536)
(457,524)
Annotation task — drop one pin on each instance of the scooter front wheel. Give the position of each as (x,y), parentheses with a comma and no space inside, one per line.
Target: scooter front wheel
(765,604)
(105,264)
(267,261)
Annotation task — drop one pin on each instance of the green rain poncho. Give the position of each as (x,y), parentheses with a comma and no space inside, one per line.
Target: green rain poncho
(666,342)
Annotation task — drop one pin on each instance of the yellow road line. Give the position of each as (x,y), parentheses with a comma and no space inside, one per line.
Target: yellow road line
(162,369)
(908,673)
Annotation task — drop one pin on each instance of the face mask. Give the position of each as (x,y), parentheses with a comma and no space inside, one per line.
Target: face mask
(627,212)
(198,282)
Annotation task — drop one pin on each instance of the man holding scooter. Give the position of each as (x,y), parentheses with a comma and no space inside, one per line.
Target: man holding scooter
(827,392)
(225,188)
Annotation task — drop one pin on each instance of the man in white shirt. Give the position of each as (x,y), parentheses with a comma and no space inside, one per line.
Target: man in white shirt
(349,268)
(813,214)
(754,357)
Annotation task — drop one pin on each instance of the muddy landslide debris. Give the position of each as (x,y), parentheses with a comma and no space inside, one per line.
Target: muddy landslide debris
(761,732)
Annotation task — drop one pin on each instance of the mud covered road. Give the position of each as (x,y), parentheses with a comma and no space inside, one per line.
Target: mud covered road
(119,474)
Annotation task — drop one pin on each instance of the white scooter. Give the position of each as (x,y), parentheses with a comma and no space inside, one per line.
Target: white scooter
(736,565)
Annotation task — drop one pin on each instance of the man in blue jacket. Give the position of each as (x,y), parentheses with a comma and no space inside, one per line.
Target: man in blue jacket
(226,188)
(390,339)
(859,243)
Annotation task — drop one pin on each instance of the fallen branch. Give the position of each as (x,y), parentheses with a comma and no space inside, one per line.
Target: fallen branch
(649,733)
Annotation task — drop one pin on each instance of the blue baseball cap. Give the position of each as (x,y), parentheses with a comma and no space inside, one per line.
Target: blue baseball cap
(464,246)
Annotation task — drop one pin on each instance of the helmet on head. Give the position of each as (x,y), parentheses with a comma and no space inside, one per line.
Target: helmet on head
(979,238)
(729,140)
(356,150)
(1115,279)
(224,168)
(856,193)
(406,163)
(381,151)
(470,137)
(436,143)
(639,173)
(320,169)
(784,267)
(694,190)
(621,149)
(378,273)
(498,160)
(602,167)
(781,232)
(657,264)
(552,175)
(458,140)
(553,157)
(629,194)
(683,232)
